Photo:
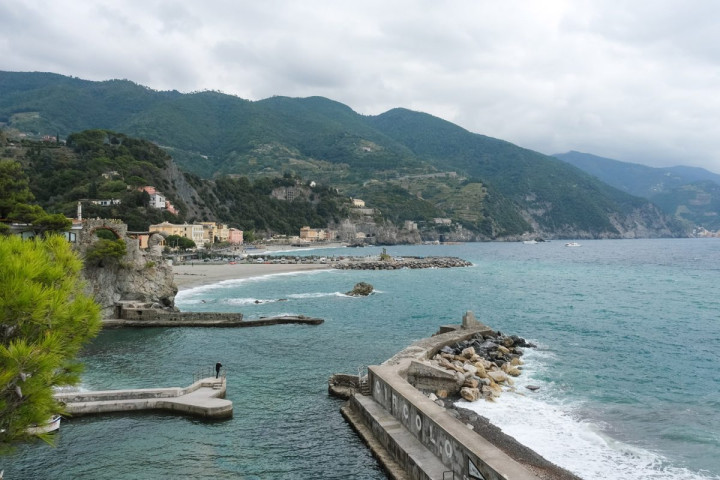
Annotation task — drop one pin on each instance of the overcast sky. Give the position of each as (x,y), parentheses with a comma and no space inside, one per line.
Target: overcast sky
(637,81)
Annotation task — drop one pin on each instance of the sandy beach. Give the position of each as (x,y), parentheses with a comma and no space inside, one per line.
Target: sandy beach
(198,274)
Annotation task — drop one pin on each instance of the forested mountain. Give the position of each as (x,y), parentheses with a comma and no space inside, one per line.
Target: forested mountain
(409,165)
(688,193)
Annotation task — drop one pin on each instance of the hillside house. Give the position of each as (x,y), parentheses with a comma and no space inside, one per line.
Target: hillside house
(106,202)
(157,200)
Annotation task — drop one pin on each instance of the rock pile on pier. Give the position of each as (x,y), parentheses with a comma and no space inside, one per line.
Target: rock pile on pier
(398,263)
(483,365)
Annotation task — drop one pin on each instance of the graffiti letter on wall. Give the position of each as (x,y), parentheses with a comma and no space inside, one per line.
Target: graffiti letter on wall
(448,449)
(473,471)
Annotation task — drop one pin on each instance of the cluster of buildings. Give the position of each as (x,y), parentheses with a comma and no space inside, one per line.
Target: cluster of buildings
(157,199)
(308,234)
(202,233)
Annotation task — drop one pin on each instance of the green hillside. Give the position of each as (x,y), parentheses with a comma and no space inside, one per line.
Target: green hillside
(691,195)
(101,164)
(564,196)
(500,189)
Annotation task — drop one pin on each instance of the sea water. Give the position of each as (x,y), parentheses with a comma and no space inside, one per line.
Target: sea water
(627,364)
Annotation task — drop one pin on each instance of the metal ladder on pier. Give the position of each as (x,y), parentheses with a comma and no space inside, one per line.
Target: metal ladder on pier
(363,381)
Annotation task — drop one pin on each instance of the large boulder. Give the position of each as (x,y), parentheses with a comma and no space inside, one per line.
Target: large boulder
(470,394)
(361,289)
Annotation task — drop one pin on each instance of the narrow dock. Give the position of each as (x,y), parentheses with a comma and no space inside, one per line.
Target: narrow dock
(192,319)
(204,398)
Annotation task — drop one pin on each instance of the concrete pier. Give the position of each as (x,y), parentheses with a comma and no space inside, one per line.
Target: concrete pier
(204,398)
(411,435)
(191,319)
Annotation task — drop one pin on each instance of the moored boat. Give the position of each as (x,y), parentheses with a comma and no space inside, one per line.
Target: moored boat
(51,425)
(572,244)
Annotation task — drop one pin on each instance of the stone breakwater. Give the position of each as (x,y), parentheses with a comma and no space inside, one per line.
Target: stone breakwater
(398,263)
(415,436)
(483,365)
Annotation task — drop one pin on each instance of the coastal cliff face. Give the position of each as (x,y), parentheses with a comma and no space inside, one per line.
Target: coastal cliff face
(139,276)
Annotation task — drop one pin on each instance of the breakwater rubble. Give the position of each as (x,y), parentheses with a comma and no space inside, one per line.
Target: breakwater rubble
(398,263)
(372,262)
(409,410)
(485,363)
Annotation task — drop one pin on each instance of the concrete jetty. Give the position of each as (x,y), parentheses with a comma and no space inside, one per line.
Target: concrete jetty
(414,437)
(204,398)
(210,322)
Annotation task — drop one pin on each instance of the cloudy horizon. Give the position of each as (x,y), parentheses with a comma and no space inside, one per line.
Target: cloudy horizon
(636,83)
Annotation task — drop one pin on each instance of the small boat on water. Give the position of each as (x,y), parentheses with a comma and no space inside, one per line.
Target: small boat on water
(51,425)
(572,244)
(530,242)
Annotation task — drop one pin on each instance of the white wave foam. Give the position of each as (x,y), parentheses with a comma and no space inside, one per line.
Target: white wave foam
(273,314)
(256,301)
(195,301)
(555,432)
(316,295)
(245,301)
(185,296)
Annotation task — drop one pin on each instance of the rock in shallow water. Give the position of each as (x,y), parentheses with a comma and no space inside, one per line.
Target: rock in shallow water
(361,289)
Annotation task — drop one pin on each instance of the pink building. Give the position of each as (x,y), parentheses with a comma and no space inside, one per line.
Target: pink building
(235,236)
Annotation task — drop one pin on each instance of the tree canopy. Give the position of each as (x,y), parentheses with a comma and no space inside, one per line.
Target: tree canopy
(176,241)
(45,318)
(14,188)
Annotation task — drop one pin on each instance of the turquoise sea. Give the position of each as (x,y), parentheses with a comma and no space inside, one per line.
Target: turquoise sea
(628,335)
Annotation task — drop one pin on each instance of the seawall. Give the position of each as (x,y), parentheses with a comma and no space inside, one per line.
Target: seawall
(192,319)
(414,437)
(142,316)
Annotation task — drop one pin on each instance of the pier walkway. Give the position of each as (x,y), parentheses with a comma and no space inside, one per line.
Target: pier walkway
(206,319)
(204,398)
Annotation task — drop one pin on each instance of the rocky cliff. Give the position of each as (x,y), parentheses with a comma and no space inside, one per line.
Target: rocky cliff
(141,276)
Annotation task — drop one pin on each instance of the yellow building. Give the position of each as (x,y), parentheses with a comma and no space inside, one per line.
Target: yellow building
(313,234)
(192,231)
(215,232)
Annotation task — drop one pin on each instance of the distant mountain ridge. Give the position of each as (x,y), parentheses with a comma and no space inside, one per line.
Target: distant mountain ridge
(689,193)
(499,190)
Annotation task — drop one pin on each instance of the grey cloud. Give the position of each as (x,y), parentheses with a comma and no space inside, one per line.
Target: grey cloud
(628,80)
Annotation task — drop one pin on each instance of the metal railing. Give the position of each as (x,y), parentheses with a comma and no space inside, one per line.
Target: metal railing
(206,372)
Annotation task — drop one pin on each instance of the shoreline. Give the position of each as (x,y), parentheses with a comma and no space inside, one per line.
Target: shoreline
(199,274)
(188,276)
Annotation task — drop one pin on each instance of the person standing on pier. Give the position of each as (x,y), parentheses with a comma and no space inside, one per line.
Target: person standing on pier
(218,366)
